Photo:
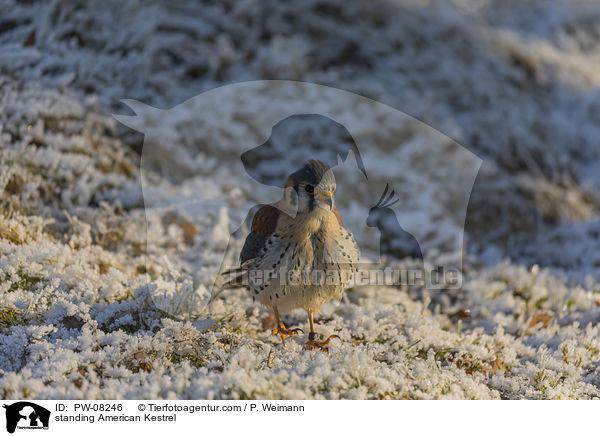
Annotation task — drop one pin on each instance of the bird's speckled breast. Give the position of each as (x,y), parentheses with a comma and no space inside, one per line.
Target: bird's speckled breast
(305,270)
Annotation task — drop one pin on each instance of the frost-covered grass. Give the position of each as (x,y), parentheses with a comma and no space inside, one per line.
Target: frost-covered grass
(90,308)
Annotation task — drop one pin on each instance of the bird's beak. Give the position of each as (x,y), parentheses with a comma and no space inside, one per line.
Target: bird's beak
(327,198)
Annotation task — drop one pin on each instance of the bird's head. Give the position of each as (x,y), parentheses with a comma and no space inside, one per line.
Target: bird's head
(312,188)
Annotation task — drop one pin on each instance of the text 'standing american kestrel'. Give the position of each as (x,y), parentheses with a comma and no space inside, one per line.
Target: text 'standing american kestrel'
(298,253)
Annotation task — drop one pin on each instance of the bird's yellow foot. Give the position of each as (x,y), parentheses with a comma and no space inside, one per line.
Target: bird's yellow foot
(284,332)
(313,344)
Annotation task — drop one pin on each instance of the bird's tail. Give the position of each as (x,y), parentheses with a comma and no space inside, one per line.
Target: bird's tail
(234,278)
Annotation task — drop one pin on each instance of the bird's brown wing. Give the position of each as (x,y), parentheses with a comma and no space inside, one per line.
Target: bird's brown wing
(263,225)
(265,220)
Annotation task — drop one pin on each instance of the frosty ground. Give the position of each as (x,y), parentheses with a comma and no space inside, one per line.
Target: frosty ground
(90,309)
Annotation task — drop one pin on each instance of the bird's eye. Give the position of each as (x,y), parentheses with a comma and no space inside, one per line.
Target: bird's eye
(310,189)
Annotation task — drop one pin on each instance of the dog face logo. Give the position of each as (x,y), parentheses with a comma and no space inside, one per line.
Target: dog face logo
(26,415)
(249,137)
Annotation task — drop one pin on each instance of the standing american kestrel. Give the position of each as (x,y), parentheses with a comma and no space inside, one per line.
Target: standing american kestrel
(298,253)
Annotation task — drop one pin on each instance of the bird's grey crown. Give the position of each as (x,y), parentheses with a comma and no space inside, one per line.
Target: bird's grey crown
(314,172)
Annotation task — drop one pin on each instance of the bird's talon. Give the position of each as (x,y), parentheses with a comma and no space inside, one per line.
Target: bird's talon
(320,345)
(285,332)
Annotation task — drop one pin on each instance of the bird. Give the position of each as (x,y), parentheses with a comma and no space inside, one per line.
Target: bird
(394,240)
(298,254)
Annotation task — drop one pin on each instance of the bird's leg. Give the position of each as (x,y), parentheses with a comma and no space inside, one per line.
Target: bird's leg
(312,342)
(282,330)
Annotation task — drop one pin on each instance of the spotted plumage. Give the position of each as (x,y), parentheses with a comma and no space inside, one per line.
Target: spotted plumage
(298,253)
